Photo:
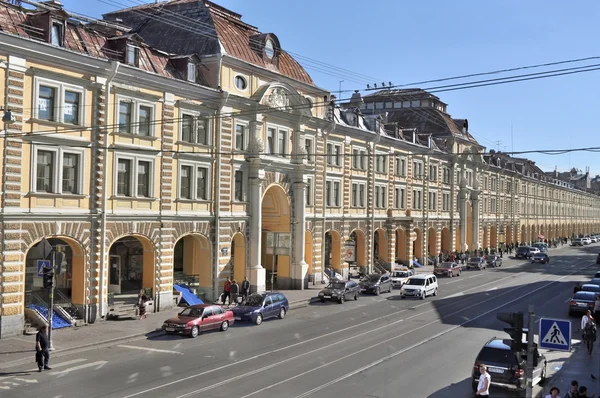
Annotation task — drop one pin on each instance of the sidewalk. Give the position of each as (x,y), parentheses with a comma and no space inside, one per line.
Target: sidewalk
(579,366)
(21,349)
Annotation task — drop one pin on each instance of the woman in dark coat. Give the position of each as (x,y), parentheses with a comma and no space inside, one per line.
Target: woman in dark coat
(141,304)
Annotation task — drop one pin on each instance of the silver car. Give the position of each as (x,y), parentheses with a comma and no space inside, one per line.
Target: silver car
(476,263)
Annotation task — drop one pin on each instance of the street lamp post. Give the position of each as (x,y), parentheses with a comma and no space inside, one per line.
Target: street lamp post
(7,118)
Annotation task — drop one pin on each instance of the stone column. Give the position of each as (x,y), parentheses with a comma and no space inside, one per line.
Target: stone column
(257,274)
(299,271)
(462,209)
(475,201)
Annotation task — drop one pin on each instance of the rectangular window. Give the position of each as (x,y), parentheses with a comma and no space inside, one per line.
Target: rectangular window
(433,173)
(308,146)
(187,128)
(131,57)
(381,164)
(445,202)
(417,199)
(332,193)
(45,171)
(334,154)
(125,117)
(71,107)
(57,35)
(281,142)
(400,166)
(380,199)
(143,179)
(309,192)
(432,201)
(400,198)
(191,72)
(358,195)
(240,137)
(418,170)
(271,140)
(70,173)
(144,120)
(195,129)
(46,103)
(239,186)
(355,158)
(185,182)
(336,193)
(202,183)
(124,177)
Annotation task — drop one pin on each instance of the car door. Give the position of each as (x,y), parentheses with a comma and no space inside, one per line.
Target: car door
(384,282)
(267,310)
(427,286)
(207,320)
(218,317)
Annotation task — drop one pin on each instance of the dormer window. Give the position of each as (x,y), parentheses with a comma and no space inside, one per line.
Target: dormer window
(191,72)
(269,49)
(131,57)
(56,34)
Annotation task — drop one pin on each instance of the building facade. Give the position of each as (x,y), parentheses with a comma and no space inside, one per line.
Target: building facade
(196,149)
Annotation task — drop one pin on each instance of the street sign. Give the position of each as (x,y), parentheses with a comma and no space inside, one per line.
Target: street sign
(555,334)
(41,264)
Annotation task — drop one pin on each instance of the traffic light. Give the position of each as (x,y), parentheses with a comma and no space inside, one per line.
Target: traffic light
(61,263)
(514,319)
(48,278)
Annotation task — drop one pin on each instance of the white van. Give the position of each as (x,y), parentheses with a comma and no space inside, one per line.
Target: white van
(420,286)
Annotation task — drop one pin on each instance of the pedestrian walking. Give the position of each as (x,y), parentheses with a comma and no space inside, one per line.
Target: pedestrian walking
(583,393)
(483,388)
(585,319)
(234,292)
(141,304)
(577,288)
(245,288)
(574,391)
(554,391)
(589,335)
(42,349)
(226,291)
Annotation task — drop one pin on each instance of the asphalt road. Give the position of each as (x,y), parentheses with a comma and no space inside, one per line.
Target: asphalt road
(374,347)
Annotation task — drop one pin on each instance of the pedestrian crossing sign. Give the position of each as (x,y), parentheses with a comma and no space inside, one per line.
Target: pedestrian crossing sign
(555,334)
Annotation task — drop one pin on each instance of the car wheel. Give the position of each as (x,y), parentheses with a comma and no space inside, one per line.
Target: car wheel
(402,297)
(451,274)
(259,319)
(377,291)
(341,300)
(389,288)
(435,292)
(282,313)
(355,296)
(224,326)
(194,332)
(458,273)
(543,378)
(423,295)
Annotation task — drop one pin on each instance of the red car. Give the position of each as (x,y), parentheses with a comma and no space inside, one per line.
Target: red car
(448,269)
(199,318)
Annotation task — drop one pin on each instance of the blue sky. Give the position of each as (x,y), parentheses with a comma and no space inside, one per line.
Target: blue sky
(411,41)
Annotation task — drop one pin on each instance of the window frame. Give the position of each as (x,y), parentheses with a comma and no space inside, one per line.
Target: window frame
(136,103)
(136,55)
(244,198)
(380,202)
(400,166)
(59,101)
(400,197)
(61,33)
(192,72)
(244,78)
(310,155)
(195,116)
(384,162)
(358,202)
(333,182)
(194,180)
(276,150)
(420,202)
(246,135)
(133,183)
(57,175)
(359,154)
(309,195)
(337,156)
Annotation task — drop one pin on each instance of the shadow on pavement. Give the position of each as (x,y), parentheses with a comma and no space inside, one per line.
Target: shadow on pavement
(6,374)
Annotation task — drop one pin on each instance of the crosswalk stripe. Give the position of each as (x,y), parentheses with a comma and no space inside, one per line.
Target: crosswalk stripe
(25,380)
(98,365)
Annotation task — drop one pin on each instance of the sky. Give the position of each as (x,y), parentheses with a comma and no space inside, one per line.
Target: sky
(356,42)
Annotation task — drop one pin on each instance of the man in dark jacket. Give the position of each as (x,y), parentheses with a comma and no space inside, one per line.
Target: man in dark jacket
(245,288)
(42,353)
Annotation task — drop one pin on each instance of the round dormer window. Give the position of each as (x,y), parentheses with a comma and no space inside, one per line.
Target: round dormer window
(269,49)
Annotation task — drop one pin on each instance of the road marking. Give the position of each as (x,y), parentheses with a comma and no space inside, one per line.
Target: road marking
(98,364)
(330,334)
(258,370)
(4,388)
(494,288)
(455,295)
(67,363)
(26,380)
(395,354)
(11,383)
(133,347)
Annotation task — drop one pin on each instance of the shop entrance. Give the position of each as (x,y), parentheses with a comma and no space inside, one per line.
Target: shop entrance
(131,265)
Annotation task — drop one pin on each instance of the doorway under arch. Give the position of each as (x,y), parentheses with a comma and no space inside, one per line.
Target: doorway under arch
(401,255)
(192,262)
(276,218)
(469,242)
(132,265)
(485,243)
(446,240)
(508,239)
(333,251)
(432,242)
(360,252)
(533,234)
(380,245)
(418,245)
(308,251)
(493,236)
(70,285)
(523,234)
(238,256)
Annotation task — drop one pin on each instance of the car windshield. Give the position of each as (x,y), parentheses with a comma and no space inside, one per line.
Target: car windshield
(254,300)
(446,265)
(400,274)
(336,285)
(191,311)
(371,278)
(416,281)
(494,355)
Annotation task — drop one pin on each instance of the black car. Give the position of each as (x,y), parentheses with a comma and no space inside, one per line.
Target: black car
(506,367)
(261,306)
(522,252)
(375,283)
(340,291)
(582,302)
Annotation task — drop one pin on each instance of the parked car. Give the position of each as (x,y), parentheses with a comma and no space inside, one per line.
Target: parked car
(588,287)
(261,306)
(399,277)
(577,242)
(506,367)
(448,269)
(340,291)
(199,318)
(586,241)
(493,260)
(476,262)
(522,252)
(597,275)
(582,302)
(595,281)
(420,286)
(540,258)
(376,283)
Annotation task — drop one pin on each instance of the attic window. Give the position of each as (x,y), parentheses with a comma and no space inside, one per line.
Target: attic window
(131,55)
(191,72)
(56,34)
(269,49)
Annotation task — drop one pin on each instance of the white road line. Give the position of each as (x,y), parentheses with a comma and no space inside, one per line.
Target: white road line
(494,288)
(133,347)
(395,354)
(67,363)
(4,388)
(321,337)
(97,364)
(10,383)
(241,376)
(26,380)
(455,295)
